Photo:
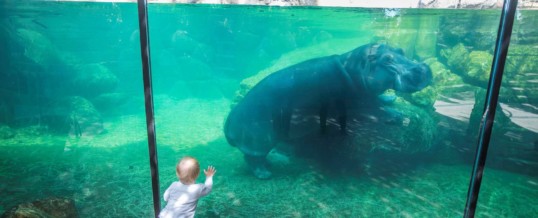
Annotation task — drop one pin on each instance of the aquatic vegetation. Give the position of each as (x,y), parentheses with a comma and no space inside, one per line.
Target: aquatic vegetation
(75,115)
(93,79)
(418,134)
(474,67)
(38,47)
(50,207)
(479,67)
(442,76)
(470,29)
(424,98)
(30,136)
(521,68)
(457,58)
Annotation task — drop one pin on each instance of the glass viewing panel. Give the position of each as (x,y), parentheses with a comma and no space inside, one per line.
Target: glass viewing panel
(72,122)
(237,75)
(510,184)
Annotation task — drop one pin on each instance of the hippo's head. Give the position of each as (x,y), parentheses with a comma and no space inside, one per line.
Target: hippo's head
(378,67)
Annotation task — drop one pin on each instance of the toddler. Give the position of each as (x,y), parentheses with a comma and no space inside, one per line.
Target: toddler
(182,196)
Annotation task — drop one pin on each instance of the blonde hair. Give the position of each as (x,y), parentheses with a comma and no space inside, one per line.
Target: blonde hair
(187,170)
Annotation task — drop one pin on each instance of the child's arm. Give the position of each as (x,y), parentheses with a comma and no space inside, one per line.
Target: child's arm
(208,184)
(166,194)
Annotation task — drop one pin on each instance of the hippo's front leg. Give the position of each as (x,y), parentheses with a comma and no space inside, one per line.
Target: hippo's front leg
(340,106)
(258,166)
(281,122)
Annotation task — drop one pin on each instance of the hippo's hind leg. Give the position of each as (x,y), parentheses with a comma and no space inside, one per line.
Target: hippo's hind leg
(342,114)
(258,166)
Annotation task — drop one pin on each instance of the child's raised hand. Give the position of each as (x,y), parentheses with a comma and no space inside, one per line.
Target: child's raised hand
(210,171)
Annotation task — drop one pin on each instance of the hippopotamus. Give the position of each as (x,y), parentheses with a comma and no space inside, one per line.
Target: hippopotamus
(262,118)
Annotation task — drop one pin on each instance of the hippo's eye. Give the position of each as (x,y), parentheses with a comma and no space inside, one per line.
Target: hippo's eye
(388,58)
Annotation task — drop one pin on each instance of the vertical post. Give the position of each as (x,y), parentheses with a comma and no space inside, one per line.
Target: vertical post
(148,98)
(494,85)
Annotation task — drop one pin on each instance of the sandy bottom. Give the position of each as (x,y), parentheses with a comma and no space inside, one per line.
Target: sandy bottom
(108,175)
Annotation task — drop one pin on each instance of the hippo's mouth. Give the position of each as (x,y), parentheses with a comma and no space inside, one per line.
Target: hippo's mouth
(412,79)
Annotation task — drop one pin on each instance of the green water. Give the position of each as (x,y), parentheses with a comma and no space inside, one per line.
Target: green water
(93,148)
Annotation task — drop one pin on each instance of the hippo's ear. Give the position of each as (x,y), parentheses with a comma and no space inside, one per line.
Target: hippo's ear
(372,57)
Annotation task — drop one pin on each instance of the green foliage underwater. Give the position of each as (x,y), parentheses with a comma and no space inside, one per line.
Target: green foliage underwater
(73,126)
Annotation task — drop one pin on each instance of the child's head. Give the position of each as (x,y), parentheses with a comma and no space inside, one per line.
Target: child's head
(187,170)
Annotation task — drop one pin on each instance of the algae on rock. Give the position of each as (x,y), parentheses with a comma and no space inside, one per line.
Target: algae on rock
(479,67)
(94,79)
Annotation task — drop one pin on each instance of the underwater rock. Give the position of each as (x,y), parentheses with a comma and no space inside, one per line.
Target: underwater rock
(75,115)
(415,133)
(94,79)
(521,78)
(110,100)
(442,76)
(525,32)
(45,208)
(502,122)
(37,47)
(444,82)
(479,67)
(457,58)
(6,132)
(424,98)
(84,118)
(371,133)
(473,67)
(479,34)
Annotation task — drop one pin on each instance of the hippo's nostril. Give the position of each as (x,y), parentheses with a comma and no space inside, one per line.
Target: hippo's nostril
(388,58)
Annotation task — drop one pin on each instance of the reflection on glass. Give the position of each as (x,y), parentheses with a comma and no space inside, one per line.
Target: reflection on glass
(510,184)
(401,152)
(72,125)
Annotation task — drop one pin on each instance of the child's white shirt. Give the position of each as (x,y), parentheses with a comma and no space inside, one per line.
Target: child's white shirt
(182,199)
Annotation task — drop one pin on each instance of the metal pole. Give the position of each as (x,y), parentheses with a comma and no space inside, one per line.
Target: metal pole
(148,97)
(494,85)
